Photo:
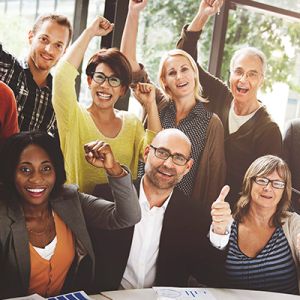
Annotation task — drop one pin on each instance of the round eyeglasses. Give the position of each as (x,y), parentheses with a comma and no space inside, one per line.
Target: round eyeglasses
(178,159)
(100,77)
(241,73)
(277,184)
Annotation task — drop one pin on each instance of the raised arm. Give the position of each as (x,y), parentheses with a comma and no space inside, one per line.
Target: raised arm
(99,27)
(125,210)
(129,37)
(145,94)
(128,48)
(64,97)
(206,9)
(215,90)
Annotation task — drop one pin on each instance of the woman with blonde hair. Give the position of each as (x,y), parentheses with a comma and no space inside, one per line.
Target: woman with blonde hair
(181,106)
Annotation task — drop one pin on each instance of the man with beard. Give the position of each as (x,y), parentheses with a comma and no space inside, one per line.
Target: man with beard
(170,239)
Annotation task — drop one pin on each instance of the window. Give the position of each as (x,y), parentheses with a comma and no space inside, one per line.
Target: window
(96,8)
(18,16)
(286,4)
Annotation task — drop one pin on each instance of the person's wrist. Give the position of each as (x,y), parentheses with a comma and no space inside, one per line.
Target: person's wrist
(116,171)
(150,105)
(202,16)
(220,232)
(134,13)
(89,32)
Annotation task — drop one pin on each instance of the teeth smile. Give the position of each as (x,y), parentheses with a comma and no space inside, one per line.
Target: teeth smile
(182,84)
(166,174)
(35,190)
(104,96)
(242,90)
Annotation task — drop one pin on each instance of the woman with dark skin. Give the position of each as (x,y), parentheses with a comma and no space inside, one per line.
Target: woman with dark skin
(44,243)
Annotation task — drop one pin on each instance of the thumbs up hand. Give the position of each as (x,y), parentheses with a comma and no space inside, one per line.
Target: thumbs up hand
(221,212)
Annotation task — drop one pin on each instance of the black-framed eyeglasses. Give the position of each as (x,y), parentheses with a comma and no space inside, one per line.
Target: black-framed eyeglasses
(277,184)
(178,159)
(100,77)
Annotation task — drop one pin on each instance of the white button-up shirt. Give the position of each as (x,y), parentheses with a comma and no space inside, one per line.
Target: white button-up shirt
(141,265)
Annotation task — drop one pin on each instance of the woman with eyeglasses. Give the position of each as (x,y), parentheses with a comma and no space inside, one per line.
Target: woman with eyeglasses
(264,245)
(109,75)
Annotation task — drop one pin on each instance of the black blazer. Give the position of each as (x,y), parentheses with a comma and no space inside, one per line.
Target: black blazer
(183,246)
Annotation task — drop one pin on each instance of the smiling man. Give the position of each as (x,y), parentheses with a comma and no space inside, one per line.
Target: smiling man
(249,129)
(158,249)
(30,79)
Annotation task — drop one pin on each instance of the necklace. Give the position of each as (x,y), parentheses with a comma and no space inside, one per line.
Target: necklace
(46,227)
(42,237)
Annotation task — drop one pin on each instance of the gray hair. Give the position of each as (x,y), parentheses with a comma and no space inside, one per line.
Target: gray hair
(250,51)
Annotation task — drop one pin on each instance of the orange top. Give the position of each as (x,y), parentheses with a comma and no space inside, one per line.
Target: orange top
(48,276)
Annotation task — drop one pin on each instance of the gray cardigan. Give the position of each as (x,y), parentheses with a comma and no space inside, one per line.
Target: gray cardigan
(78,211)
(291,228)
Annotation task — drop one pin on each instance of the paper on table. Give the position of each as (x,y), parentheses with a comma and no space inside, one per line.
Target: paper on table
(165,293)
(31,297)
(80,295)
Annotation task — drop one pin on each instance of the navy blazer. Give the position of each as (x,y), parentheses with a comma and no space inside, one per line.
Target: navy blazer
(184,247)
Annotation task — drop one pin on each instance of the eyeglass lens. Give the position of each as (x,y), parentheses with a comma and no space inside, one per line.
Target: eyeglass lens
(113,81)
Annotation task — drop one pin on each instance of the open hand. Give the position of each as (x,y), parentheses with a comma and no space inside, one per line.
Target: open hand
(221,213)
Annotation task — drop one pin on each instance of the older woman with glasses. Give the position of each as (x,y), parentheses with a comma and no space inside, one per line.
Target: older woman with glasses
(264,244)
(109,75)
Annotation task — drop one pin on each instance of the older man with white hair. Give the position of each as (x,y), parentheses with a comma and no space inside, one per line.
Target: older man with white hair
(249,129)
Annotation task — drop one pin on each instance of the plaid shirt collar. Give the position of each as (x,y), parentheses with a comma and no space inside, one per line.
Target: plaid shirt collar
(24,64)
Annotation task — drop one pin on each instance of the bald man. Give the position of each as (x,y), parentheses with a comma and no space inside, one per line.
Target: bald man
(157,250)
